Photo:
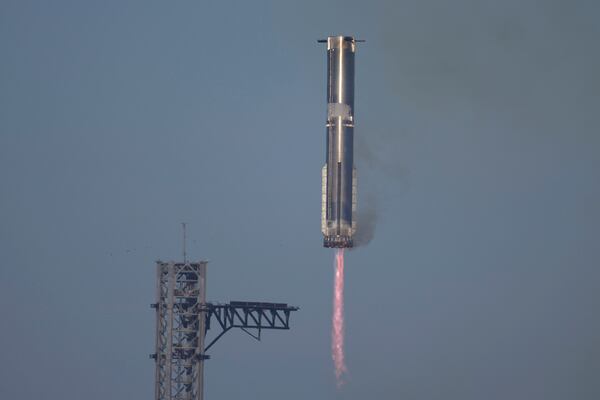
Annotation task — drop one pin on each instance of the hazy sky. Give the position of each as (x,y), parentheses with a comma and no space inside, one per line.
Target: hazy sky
(478,153)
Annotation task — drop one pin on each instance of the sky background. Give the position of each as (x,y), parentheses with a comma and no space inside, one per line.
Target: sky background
(478,154)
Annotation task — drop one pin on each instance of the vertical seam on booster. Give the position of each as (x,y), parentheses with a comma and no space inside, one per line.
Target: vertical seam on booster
(340,70)
(339,198)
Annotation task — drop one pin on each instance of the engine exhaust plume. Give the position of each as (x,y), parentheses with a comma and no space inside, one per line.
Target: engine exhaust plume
(337,332)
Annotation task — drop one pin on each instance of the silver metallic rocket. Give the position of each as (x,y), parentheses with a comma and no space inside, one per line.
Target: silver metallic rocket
(338,199)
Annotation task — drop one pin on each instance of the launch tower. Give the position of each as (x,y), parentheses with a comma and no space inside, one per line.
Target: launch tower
(183,318)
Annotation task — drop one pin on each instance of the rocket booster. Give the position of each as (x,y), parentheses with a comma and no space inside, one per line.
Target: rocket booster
(338,198)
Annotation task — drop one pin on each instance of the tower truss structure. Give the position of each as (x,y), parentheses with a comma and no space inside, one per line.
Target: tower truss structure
(180,327)
(183,318)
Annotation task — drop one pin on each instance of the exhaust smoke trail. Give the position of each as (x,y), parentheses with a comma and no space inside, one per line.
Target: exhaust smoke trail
(337,332)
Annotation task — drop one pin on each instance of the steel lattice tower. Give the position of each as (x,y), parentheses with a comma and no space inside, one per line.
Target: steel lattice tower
(182,318)
(180,330)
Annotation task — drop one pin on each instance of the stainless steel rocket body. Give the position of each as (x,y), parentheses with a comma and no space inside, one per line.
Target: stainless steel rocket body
(338,213)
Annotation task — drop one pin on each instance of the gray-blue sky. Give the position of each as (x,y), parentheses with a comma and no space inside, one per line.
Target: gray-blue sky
(478,126)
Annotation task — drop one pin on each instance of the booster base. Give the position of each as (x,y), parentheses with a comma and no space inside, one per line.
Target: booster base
(338,241)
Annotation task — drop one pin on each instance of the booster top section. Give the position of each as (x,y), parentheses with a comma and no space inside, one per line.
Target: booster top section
(340,77)
(341,42)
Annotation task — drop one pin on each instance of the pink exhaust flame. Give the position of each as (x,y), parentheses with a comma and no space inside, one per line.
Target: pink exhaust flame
(337,332)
